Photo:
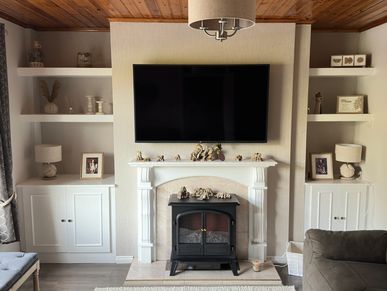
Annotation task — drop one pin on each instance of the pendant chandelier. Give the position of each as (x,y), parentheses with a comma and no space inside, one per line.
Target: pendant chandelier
(221,18)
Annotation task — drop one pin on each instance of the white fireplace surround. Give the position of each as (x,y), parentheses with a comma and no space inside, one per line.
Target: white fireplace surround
(150,175)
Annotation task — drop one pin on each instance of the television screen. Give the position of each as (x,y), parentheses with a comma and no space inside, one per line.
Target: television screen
(201,103)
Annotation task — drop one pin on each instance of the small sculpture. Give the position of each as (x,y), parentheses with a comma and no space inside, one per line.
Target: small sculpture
(177,157)
(183,193)
(257,157)
(203,193)
(223,195)
(140,158)
(318,102)
(238,158)
(50,107)
(205,153)
(36,55)
(160,158)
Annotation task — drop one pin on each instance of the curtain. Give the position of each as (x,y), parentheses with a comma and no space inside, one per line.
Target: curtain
(7,231)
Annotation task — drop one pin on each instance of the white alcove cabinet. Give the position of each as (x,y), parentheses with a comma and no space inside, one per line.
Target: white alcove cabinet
(67,219)
(336,205)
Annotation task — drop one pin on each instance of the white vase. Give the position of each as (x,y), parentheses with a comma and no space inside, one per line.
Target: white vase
(50,108)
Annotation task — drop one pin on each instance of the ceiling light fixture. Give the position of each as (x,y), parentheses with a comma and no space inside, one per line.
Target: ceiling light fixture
(221,18)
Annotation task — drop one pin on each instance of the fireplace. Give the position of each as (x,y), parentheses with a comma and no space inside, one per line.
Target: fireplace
(151,175)
(204,231)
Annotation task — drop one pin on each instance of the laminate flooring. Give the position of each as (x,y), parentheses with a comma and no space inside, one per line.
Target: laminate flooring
(79,277)
(85,277)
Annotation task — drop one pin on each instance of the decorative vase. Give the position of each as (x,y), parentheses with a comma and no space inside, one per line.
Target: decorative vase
(50,108)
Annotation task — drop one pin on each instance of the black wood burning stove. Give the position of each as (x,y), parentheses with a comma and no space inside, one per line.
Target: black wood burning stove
(204,231)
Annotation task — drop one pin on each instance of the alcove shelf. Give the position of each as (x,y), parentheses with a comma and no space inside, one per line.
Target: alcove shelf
(339,117)
(341,72)
(64,72)
(106,118)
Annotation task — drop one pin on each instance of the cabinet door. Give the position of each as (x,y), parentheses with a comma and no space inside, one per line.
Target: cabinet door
(336,207)
(88,219)
(353,210)
(45,219)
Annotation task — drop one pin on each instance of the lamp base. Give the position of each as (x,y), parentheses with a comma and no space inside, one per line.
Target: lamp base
(347,172)
(49,171)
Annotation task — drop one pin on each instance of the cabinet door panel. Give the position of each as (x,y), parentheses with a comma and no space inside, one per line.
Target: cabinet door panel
(89,226)
(45,213)
(320,209)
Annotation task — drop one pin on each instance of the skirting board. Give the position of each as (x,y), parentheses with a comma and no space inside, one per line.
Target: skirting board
(74,258)
(124,259)
(11,247)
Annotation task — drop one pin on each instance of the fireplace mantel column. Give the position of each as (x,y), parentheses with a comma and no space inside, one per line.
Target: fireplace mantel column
(258,214)
(146,211)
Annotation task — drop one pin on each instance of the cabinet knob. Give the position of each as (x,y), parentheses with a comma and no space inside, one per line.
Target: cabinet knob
(336,218)
(342,218)
(63,220)
(70,220)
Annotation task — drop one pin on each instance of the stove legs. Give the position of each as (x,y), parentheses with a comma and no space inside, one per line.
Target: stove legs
(234,267)
(173,268)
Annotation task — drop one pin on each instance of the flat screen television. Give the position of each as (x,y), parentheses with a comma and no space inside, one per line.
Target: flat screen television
(201,103)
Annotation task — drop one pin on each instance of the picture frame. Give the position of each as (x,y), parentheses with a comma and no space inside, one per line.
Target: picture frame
(92,165)
(360,60)
(322,166)
(348,60)
(350,104)
(336,61)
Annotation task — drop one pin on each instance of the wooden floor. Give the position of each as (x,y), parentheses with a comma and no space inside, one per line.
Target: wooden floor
(85,277)
(79,277)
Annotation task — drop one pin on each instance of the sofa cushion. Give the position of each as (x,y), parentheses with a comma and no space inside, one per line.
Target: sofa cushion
(374,276)
(361,246)
(13,265)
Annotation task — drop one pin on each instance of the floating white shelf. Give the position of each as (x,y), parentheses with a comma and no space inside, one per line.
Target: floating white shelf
(64,72)
(341,72)
(339,117)
(107,118)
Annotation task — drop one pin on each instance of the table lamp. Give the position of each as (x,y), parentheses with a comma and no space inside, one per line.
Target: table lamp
(348,153)
(48,154)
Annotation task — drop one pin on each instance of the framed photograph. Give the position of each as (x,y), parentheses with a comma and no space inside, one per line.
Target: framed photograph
(360,60)
(322,166)
(348,61)
(336,61)
(350,104)
(92,166)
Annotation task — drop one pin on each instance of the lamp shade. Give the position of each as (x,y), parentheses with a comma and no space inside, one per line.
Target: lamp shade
(348,153)
(48,153)
(211,11)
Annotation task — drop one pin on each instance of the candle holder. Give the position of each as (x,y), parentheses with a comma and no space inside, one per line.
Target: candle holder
(257,265)
(90,105)
(99,107)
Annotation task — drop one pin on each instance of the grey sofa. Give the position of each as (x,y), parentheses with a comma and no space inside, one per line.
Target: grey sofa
(345,261)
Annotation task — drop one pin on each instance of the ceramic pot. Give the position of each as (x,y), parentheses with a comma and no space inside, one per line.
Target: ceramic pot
(51,108)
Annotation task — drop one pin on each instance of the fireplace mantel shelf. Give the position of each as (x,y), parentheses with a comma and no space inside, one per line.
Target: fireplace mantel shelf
(189,163)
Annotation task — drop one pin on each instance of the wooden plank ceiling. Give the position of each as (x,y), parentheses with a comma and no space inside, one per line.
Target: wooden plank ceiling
(345,15)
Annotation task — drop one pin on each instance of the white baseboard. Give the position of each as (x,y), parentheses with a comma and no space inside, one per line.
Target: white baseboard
(77,258)
(124,259)
(12,247)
